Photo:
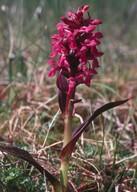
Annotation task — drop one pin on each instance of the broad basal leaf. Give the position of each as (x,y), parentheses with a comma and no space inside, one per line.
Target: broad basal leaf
(22,154)
(67,150)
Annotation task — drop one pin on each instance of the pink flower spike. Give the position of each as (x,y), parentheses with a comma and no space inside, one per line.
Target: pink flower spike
(75,48)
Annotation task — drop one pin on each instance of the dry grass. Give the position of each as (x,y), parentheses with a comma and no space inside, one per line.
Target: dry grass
(105,158)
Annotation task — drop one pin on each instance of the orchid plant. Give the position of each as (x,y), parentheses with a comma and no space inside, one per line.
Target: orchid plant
(74,58)
(75,47)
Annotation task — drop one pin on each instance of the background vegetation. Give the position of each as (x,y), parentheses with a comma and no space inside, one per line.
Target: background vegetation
(106,156)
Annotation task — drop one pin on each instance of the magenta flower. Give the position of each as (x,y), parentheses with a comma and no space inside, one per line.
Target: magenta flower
(75,47)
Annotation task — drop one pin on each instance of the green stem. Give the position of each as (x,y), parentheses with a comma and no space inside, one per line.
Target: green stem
(68,124)
(67,136)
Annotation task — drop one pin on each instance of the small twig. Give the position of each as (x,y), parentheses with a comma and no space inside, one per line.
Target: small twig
(125,159)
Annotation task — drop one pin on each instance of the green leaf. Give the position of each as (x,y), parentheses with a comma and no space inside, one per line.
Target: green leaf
(67,150)
(23,154)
